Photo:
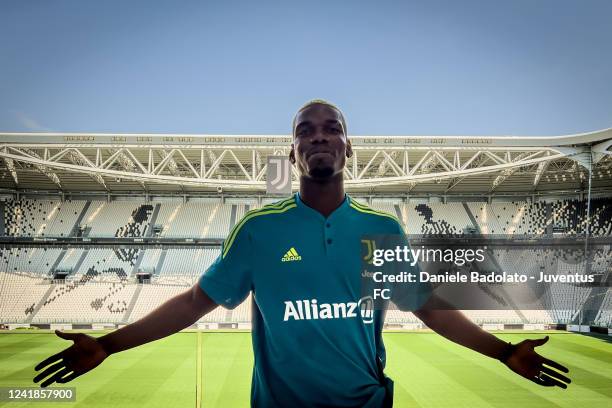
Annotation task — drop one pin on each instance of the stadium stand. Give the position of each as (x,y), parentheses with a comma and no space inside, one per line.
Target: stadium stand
(151,296)
(84,302)
(39,218)
(604,316)
(188,262)
(195,219)
(71,260)
(117,218)
(106,263)
(33,260)
(21,293)
(101,286)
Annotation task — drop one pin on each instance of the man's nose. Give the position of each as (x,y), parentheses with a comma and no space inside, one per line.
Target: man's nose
(319,136)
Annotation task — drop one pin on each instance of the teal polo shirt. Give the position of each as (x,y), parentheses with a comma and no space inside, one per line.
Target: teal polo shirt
(314,346)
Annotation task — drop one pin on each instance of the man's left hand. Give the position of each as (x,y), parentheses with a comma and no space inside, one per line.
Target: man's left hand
(529,364)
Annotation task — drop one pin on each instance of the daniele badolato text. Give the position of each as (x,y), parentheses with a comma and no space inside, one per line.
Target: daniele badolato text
(475,277)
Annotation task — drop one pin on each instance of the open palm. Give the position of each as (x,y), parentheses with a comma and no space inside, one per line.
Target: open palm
(84,355)
(529,364)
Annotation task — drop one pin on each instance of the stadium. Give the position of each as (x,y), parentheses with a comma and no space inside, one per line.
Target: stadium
(100,229)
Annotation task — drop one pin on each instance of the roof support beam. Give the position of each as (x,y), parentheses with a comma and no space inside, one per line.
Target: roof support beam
(76,157)
(180,166)
(43,169)
(540,171)
(10,165)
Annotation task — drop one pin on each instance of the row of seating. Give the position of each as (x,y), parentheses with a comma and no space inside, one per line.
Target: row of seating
(212,219)
(40,218)
(29,298)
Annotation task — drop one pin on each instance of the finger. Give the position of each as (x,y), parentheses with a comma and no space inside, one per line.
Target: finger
(539,381)
(556,375)
(67,378)
(550,381)
(539,342)
(66,336)
(556,365)
(54,377)
(49,360)
(49,370)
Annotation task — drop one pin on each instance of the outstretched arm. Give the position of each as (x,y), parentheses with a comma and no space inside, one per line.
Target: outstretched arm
(520,358)
(175,314)
(88,352)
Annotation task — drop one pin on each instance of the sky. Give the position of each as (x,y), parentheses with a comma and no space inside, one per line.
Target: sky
(435,67)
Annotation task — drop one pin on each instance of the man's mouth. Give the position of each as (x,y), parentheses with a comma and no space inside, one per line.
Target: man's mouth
(322,152)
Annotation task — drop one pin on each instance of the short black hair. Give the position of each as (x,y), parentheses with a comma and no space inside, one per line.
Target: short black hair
(320,102)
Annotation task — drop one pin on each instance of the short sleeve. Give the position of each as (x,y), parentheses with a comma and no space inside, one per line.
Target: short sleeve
(228,280)
(409,296)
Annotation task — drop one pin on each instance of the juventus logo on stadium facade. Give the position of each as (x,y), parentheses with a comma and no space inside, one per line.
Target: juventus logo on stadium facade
(278,175)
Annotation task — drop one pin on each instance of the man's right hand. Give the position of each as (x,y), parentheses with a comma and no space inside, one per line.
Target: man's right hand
(84,355)
(88,352)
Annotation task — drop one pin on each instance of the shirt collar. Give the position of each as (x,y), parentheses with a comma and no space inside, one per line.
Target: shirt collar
(344,206)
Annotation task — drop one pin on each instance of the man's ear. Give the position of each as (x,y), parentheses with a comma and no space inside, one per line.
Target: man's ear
(349,149)
(292,154)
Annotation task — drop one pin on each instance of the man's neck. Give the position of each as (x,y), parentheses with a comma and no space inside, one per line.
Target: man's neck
(323,196)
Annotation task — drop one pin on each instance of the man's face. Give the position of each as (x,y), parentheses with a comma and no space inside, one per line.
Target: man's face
(320,146)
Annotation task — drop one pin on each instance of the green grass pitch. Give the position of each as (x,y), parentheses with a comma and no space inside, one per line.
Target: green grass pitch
(428,371)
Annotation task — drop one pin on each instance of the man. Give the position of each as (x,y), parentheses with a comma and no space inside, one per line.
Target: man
(300,257)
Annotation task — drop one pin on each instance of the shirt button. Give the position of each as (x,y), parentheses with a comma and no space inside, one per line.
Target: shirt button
(329,241)
(328,225)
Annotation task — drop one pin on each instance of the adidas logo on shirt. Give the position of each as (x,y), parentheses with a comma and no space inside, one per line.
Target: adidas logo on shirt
(291,255)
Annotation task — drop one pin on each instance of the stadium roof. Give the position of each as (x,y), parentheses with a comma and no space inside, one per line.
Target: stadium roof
(183,163)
